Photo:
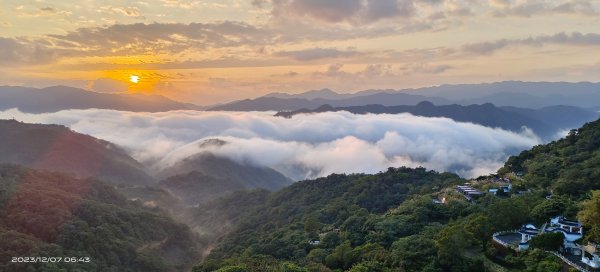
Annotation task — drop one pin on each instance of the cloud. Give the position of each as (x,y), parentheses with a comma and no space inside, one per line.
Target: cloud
(315,54)
(576,7)
(304,146)
(326,10)
(531,8)
(574,39)
(125,11)
(108,85)
(132,39)
(20,51)
(421,68)
(381,9)
(350,11)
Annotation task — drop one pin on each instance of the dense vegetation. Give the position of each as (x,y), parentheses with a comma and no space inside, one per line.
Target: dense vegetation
(383,222)
(408,233)
(388,221)
(568,166)
(50,214)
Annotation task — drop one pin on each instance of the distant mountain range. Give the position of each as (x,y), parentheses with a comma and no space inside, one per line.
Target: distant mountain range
(57,148)
(545,122)
(506,93)
(268,103)
(519,93)
(58,98)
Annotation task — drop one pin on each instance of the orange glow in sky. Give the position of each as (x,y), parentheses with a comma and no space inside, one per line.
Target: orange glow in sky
(214,51)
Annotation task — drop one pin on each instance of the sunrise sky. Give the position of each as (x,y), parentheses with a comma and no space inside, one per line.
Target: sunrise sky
(207,52)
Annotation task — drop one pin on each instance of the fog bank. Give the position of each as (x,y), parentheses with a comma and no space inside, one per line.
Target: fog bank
(305,146)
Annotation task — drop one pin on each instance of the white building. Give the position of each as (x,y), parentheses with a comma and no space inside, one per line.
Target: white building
(527,232)
(590,255)
(571,229)
(314,242)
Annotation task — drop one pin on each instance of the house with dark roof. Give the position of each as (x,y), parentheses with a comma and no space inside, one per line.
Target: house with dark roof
(468,192)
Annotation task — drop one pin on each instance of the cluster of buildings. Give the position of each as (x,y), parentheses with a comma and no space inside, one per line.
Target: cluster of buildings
(468,192)
(499,186)
(571,229)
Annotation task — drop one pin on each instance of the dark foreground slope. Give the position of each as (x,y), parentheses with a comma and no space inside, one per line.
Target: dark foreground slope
(51,214)
(57,148)
(280,228)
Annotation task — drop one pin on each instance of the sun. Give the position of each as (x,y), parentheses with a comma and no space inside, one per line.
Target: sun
(134,79)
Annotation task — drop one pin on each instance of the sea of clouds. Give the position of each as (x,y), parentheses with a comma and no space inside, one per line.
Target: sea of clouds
(305,146)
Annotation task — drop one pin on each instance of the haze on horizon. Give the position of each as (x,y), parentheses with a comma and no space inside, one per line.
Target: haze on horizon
(206,52)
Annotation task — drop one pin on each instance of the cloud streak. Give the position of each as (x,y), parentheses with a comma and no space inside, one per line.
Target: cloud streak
(305,146)
(315,54)
(574,39)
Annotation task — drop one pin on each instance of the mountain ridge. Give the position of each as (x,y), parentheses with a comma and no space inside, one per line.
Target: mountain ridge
(57,148)
(57,98)
(504,93)
(545,122)
(281,104)
(204,177)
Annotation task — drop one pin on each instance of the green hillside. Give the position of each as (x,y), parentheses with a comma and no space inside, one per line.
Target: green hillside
(57,148)
(389,221)
(56,215)
(569,166)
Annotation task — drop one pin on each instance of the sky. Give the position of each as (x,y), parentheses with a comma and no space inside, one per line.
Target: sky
(208,52)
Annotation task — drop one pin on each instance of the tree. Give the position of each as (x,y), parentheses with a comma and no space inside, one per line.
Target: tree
(341,257)
(414,252)
(312,224)
(548,241)
(452,242)
(291,267)
(317,255)
(537,260)
(507,213)
(370,252)
(590,215)
(233,268)
(479,226)
(549,208)
(370,266)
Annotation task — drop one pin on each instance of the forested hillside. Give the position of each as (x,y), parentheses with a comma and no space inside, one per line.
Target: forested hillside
(569,166)
(57,215)
(57,148)
(390,221)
